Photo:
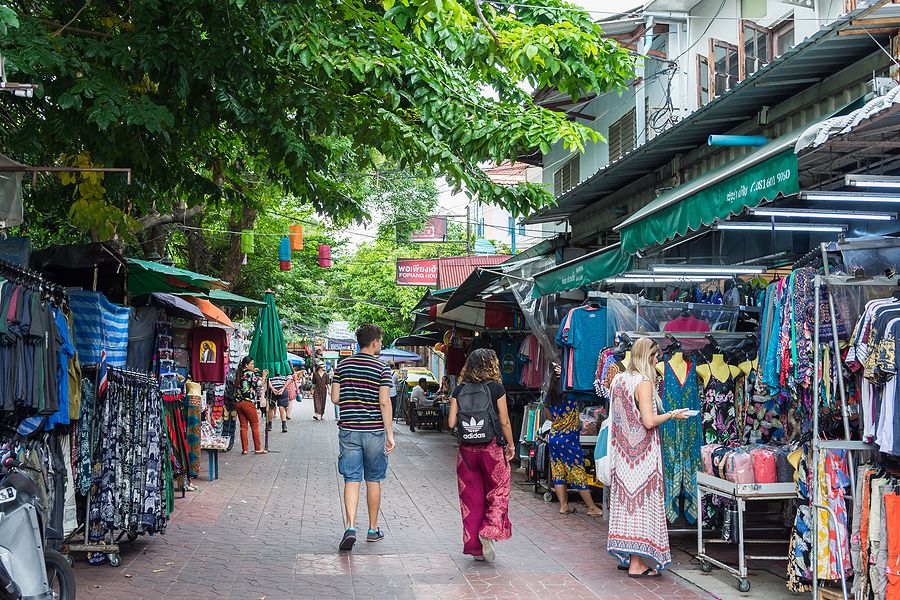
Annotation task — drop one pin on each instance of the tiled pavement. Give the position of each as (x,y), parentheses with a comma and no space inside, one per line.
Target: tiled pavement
(269,527)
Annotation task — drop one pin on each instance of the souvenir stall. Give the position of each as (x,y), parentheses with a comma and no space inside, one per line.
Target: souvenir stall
(491,322)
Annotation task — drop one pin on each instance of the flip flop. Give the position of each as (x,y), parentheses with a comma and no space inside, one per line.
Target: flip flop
(572,510)
(645,574)
(622,567)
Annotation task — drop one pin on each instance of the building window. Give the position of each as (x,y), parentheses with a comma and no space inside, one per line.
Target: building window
(566,177)
(521,228)
(480,229)
(783,37)
(724,67)
(702,80)
(621,136)
(757,47)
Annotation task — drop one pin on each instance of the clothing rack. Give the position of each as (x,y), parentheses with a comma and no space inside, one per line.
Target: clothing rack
(662,335)
(848,444)
(697,305)
(110,548)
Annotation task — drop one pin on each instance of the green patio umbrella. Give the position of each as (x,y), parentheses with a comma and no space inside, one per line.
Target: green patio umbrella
(268,349)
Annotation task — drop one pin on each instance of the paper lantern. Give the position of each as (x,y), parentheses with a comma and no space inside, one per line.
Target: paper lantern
(284,253)
(247,242)
(324,256)
(296,237)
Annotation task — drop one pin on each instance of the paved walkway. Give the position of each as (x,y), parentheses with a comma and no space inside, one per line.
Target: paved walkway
(269,528)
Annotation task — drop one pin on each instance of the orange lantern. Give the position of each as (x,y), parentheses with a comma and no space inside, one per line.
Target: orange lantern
(296,237)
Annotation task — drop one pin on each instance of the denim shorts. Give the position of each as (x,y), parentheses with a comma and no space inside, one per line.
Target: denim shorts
(363,455)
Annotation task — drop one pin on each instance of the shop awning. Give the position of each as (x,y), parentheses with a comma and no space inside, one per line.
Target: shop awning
(172,304)
(482,278)
(762,176)
(424,339)
(210,311)
(594,266)
(223,298)
(146,276)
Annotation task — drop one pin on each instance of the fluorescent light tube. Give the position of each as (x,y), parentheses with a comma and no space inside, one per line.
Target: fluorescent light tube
(873,181)
(847,197)
(709,269)
(651,278)
(735,226)
(805,213)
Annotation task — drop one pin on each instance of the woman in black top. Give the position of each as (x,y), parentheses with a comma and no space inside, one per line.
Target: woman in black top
(482,470)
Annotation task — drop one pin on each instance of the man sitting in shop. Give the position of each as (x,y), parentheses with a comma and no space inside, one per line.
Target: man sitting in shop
(419,396)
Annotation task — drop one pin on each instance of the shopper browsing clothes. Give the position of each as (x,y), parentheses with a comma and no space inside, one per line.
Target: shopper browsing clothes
(566,458)
(321,381)
(246,406)
(638,537)
(486,446)
(361,388)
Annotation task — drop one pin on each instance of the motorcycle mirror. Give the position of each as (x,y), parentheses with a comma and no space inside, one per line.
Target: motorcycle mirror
(28,426)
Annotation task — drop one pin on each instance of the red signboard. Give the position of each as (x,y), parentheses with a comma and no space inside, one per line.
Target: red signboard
(417,271)
(434,230)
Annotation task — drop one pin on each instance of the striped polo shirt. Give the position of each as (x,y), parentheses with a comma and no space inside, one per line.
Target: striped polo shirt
(360,377)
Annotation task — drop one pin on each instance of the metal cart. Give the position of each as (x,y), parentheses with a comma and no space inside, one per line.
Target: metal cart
(740,493)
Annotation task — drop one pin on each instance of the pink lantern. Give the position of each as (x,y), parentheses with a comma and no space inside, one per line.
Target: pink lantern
(324,256)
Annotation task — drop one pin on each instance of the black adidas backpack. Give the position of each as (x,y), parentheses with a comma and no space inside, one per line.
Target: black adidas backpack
(478,422)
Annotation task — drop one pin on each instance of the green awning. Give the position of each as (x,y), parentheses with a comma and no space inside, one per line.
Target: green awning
(762,176)
(584,270)
(223,298)
(145,277)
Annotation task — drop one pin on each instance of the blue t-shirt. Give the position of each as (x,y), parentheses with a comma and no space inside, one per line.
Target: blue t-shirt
(587,337)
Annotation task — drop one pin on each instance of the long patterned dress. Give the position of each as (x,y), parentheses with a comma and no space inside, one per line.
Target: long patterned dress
(681,440)
(637,519)
(566,459)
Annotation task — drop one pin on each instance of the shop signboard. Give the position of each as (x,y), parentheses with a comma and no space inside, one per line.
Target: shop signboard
(417,271)
(331,355)
(434,230)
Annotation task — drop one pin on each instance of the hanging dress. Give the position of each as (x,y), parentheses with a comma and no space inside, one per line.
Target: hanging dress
(681,441)
(637,520)
(566,458)
(719,422)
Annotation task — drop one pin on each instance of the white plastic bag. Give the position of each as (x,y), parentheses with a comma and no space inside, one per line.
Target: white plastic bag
(601,454)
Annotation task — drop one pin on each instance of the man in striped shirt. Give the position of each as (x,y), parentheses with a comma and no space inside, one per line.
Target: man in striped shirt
(361,389)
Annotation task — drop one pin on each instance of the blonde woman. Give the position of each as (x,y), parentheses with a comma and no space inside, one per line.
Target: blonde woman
(482,470)
(638,537)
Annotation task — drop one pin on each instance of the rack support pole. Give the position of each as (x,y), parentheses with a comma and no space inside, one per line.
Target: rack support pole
(814,445)
(837,356)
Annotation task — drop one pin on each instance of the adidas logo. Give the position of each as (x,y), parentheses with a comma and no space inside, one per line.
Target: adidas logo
(472,426)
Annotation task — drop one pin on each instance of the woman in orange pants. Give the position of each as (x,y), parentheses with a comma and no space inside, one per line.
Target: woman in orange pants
(251,382)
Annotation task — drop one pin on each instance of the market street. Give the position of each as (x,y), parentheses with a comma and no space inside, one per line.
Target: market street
(269,528)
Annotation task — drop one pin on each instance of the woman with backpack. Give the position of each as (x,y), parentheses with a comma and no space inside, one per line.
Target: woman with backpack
(566,459)
(486,445)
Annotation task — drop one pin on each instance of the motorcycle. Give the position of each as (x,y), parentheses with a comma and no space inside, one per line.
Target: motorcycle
(28,569)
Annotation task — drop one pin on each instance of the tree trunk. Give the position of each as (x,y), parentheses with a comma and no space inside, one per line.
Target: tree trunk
(234,260)
(198,252)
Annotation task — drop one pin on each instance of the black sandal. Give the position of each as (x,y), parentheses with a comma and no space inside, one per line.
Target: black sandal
(645,574)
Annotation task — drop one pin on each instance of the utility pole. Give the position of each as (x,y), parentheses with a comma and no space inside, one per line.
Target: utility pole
(468,229)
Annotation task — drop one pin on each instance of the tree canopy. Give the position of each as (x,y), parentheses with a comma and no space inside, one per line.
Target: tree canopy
(212,101)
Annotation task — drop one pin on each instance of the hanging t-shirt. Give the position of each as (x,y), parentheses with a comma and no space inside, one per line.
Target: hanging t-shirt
(208,351)
(587,336)
(510,368)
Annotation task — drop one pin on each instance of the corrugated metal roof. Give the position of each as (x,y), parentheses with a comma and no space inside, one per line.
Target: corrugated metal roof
(454,270)
(814,59)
